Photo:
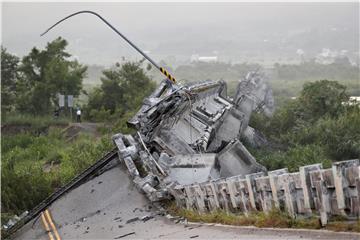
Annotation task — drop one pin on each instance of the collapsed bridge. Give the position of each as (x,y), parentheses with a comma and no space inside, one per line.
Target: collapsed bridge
(189,148)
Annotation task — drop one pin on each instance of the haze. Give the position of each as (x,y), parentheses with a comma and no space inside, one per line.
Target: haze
(236,32)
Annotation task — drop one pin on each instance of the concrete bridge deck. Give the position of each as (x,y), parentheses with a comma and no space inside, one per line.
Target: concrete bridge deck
(110,207)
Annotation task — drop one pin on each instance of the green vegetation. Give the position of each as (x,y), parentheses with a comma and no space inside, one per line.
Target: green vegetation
(273,219)
(340,69)
(122,90)
(33,84)
(9,75)
(292,157)
(17,123)
(314,128)
(34,166)
(288,79)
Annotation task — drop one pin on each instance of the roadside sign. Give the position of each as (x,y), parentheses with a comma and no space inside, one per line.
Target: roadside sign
(70,99)
(61,100)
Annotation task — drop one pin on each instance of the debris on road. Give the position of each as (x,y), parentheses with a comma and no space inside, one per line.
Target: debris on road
(147,218)
(125,235)
(132,220)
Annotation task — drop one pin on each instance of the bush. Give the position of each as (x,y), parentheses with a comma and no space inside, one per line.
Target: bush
(339,137)
(100,115)
(293,158)
(316,127)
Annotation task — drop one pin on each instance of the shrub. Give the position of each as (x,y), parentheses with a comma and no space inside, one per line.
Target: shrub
(293,158)
(339,137)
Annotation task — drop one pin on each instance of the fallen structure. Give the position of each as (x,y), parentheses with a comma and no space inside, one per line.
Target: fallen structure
(189,147)
(110,207)
(192,134)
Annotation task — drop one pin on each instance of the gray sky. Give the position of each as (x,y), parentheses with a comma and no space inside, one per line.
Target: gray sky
(235,31)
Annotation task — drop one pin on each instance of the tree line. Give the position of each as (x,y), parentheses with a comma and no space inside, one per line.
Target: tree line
(340,69)
(31,85)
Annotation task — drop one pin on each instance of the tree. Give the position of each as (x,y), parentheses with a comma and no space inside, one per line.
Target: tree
(292,123)
(321,98)
(123,89)
(9,76)
(44,74)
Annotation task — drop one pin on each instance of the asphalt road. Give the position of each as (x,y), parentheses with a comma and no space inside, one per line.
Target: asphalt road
(110,207)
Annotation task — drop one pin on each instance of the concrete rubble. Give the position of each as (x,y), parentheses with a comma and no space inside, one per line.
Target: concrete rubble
(188,147)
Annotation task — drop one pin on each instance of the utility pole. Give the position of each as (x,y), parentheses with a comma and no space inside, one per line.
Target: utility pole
(161,69)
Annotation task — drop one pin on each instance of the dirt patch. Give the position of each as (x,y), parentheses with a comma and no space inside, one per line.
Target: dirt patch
(74,129)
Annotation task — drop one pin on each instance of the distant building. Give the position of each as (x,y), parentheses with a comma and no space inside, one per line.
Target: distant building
(328,56)
(353,100)
(301,54)
(198,58)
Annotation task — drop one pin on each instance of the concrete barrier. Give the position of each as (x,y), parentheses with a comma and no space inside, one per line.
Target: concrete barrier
(311,191)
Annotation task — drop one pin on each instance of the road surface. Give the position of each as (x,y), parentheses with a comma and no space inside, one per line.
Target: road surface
(110,207)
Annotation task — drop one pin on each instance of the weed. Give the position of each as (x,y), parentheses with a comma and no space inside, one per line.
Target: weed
(275,218)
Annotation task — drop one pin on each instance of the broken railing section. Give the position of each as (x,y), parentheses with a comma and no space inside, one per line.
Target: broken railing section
(155,174)
(311,191)
(141,168)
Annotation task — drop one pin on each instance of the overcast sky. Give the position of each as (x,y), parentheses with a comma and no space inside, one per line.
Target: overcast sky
(175,28)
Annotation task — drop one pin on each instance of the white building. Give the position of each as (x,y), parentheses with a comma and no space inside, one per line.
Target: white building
(207,59)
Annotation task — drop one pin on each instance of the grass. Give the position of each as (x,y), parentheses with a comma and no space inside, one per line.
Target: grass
(24,119)
(273,219)
(16,123)
(24,156)
(341,226)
